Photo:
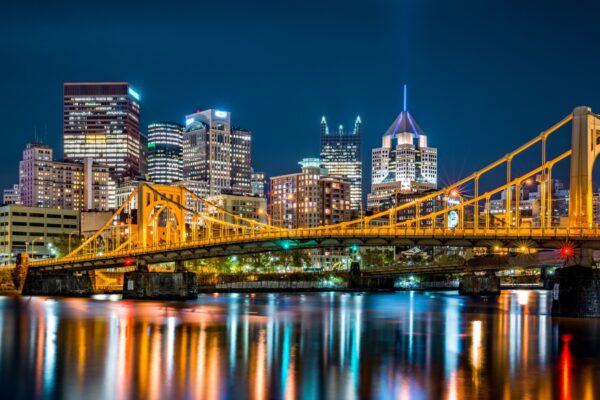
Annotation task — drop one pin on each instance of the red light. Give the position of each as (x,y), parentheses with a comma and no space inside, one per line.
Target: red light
(566,251)
(128,261)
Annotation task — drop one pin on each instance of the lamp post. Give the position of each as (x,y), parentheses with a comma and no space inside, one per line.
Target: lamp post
(33,245)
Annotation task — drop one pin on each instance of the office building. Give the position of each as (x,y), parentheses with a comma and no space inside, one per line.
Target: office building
(165,152)
(12,195)
(101,121)
(404,162)
(217,153)
(32,229)
(44,182)
(341,156)
(258,183)
(251,207)
(309,198)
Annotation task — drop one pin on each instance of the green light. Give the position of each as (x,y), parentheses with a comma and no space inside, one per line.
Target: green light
(151,145)
(354,248)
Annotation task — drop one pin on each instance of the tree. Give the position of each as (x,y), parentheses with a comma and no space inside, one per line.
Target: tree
(61,243)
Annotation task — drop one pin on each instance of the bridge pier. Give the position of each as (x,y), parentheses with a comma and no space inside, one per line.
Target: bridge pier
(177,285)
(472,284)
(576,290)
(64,283)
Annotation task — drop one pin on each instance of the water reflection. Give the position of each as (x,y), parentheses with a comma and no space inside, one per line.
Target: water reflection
(330,345)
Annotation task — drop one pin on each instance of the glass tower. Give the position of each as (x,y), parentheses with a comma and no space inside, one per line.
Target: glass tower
(165,152)
(101,121)
(340,155)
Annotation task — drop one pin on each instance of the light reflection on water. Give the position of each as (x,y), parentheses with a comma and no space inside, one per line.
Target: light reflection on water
(324,345)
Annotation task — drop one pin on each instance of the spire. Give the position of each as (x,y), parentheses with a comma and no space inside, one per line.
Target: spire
(405,97)
(324,127)
(357,125)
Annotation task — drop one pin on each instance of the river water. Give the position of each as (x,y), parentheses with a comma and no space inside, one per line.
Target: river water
(406,345)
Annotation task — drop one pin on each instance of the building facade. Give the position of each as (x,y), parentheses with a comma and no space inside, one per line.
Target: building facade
(101,121)
(404,161)
(309,198)
(32,229)
(44,182)
(165,152)
(12,195)
(341,156)
(258,183)
(252,207)
(216,153)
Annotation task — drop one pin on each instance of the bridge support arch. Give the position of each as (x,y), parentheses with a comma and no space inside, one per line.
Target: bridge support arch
(585,132)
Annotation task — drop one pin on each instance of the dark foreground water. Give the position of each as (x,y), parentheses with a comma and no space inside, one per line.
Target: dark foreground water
(323,345)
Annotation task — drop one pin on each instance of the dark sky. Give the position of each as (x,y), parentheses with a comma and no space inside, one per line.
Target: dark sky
(483,76)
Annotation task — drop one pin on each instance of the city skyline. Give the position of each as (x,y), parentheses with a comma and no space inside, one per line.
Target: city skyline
(389,50)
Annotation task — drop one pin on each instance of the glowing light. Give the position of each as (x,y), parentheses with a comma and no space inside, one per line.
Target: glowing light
(566,251)
(133,94)
(523,297)
(221,114)
(189,121)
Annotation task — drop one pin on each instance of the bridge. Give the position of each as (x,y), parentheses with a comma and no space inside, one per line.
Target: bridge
(160,223)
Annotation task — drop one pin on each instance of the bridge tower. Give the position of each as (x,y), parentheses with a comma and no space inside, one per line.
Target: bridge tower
(154,200)
(585,146)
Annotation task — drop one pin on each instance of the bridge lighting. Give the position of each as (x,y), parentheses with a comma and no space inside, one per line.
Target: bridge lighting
(128,261)
(566,251)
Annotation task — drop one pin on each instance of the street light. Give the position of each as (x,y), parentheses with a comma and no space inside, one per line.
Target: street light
(33,245)
(263,211)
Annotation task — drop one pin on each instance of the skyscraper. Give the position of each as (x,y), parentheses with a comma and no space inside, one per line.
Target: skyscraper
(404,162)
(340,155)
(101,121)
(216,153)
(165,152)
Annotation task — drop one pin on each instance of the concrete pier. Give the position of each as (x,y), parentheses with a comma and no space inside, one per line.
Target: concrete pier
(479,285)
(576,292)
(160,285)
(58,284)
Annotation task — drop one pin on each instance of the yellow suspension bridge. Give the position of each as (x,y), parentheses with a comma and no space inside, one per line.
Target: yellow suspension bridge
(159,223)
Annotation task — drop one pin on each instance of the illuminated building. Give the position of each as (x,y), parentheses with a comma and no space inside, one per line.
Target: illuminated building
(12,195)
(252,207)
(404,161)
(309,198)
(44,182)
(258,183)
(32,229)
(165,152)
(216,153)
(341,156)
(101,122)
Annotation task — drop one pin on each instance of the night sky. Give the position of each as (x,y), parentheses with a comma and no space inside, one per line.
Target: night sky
(483,76)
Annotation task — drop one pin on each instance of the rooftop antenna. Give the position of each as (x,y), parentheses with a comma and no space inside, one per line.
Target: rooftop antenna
(405,97)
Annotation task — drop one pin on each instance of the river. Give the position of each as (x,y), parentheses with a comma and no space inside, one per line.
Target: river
(407,345)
